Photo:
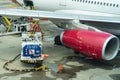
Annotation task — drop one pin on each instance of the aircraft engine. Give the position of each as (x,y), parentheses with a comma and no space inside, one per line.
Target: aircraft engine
(98,45)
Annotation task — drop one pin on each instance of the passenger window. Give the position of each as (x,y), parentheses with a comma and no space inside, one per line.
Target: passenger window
(91,2)
(98,3)
(95,2)
(110,4)
(101,3)
(117,5)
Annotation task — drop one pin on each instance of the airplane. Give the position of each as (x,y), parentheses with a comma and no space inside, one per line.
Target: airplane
(90,25)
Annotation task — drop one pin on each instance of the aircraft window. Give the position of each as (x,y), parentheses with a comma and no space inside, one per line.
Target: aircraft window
(83,1)
(113,5)
(101,3)
(117,5)
(91,2)
(98,3)
(104,3)
(80,0)
(88,1)
(107,4)
(95,2)
(110,4)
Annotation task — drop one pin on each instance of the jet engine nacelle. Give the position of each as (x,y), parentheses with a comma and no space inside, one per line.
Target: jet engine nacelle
(98,45)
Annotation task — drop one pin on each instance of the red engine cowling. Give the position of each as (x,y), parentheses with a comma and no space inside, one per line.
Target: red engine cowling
(98,45)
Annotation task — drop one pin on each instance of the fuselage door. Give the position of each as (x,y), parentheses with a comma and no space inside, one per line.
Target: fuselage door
(29,4)
(62,2)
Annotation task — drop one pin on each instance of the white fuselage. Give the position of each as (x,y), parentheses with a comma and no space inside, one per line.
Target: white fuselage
(104,6)
(94,8)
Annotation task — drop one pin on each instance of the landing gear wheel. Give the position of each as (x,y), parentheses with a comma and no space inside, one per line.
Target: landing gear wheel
(57,40)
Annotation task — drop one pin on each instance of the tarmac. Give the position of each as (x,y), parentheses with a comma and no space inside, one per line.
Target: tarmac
(75,67)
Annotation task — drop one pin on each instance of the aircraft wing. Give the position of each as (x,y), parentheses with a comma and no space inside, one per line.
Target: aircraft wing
(33,13)
(63,14)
